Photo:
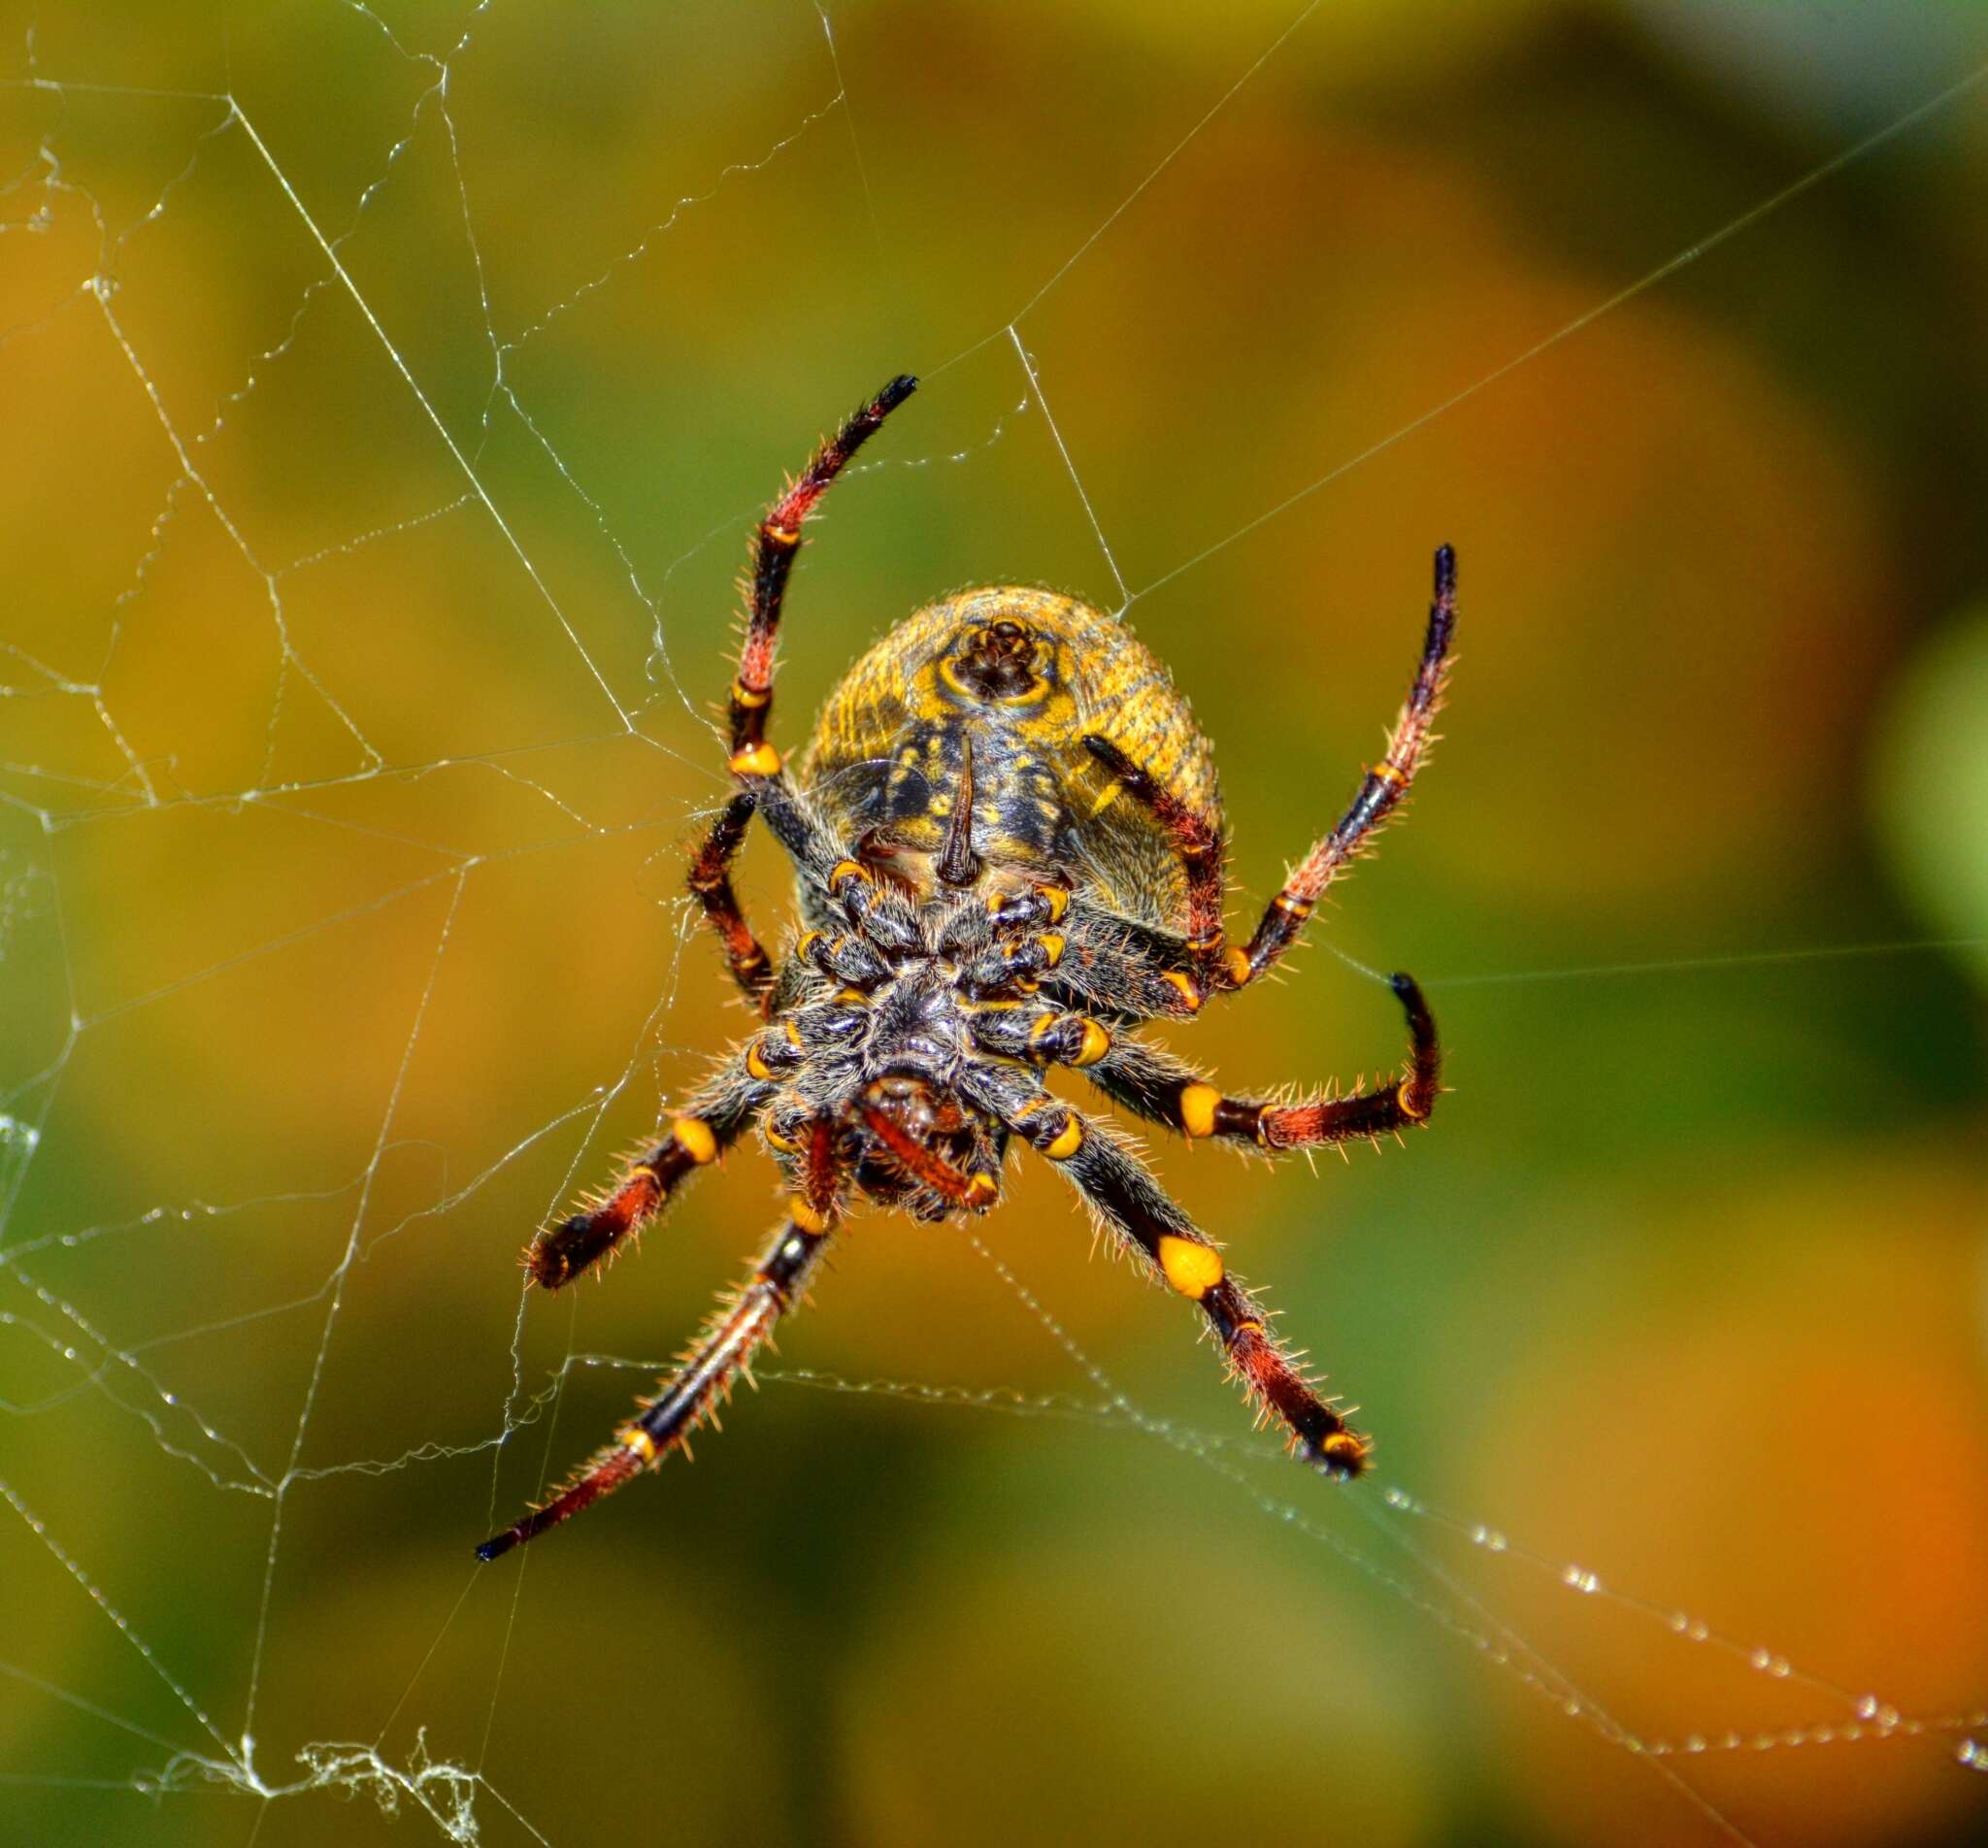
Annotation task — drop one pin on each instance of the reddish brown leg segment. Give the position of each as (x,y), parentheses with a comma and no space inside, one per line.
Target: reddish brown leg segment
(1162,1089)
(774,545)
(1200,846)
(1150,1222)
(710,1123)
(711,885)
(1276,1382)
(706,1374)
(1380,794)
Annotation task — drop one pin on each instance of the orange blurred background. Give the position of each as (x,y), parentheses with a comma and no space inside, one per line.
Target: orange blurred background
(380,454)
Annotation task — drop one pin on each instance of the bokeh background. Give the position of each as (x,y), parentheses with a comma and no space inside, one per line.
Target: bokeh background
(361,625)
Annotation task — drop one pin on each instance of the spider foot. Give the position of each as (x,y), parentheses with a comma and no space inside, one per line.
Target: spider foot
(1339,1457)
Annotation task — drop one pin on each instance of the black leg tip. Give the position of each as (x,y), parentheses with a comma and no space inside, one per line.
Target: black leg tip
(896,392)
(496,1548)
(1405,986)
(1445,572)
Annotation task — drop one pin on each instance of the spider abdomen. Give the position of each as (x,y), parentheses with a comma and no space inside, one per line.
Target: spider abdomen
(1013,679)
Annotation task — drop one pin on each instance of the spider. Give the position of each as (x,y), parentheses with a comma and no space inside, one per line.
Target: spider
(1008,841)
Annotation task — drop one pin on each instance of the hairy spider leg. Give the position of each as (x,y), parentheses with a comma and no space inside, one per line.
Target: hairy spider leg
(763,784)
(1380,794)
(710,884)
(774,541)
(1162,1089)
(1217,966)
(707,1373)
(711,1120)
(1149,1222)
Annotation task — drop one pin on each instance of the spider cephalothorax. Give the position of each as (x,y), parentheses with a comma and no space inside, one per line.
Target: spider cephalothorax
(1008,841)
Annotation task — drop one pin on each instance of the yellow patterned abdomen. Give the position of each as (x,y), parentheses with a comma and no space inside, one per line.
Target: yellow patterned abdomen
(1018,676)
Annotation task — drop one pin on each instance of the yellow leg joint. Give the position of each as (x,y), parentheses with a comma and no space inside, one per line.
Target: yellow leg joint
(756,760)
(1069,1140)
(1407,1103)
(981,1191)
(1096,1044)
(1053,946)
(1344,1450)
(1198,1108)
(1187,986)
(637,1440)
(751,696)
(849,870)
(755,1066)
(1236,965)
(1056,899)
(1192,1269)
(693,1136)
(805,1217)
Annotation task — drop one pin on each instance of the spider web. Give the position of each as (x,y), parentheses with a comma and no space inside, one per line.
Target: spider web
(389,393)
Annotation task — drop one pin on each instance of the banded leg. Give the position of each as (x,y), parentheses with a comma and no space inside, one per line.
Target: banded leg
(711,885)
(710,1123)
(731,1337)
(1149,1222)
(1162,1089)
(1199,841)
(775,541)
(1380,794)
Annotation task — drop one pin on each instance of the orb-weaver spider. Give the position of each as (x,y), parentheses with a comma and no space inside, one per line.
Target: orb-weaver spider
(1007,840)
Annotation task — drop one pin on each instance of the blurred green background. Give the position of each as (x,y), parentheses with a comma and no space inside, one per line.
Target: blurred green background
(347,768)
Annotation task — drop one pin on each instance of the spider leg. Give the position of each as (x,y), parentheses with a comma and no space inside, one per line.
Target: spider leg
(705,1376)
(711,885)
(833,883)
(762,784)
(1198,841)
(712,1121)
(1162,1089)
(774,541)
(1150,1225)
(1380,794)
